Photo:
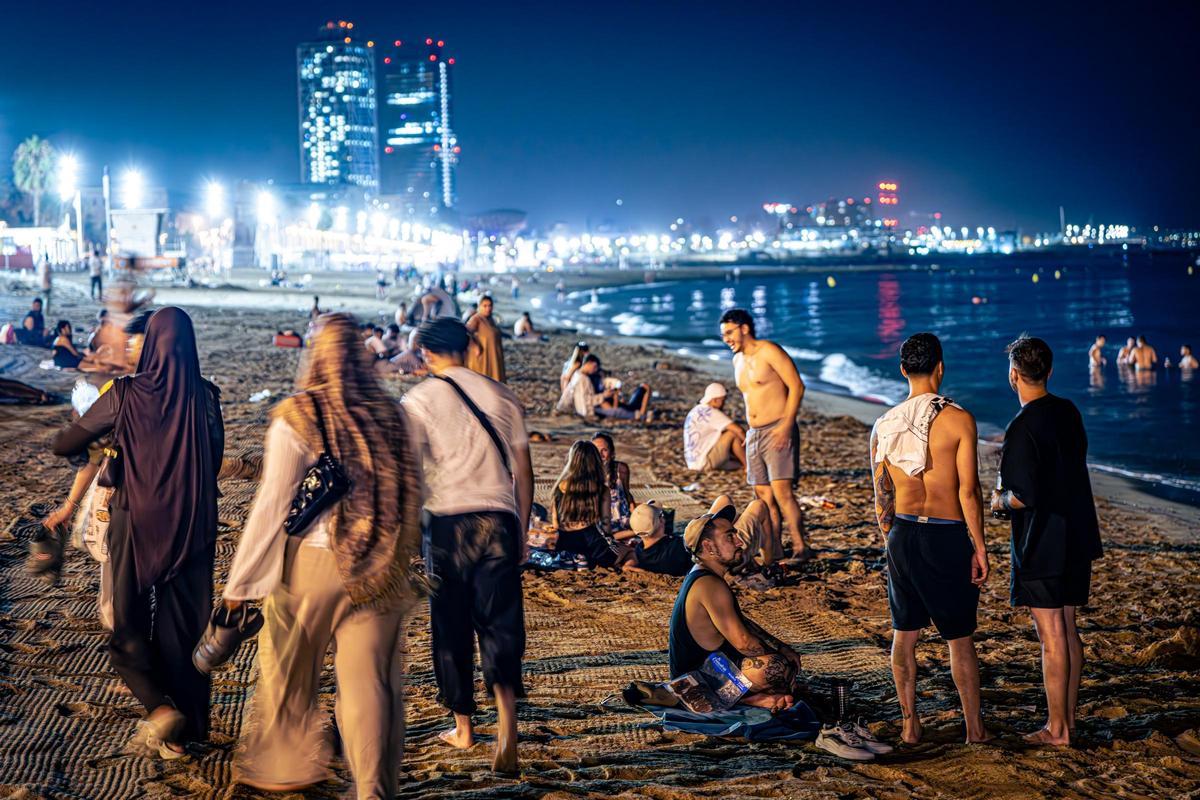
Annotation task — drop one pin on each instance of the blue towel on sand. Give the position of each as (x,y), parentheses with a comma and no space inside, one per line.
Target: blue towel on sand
(754,724)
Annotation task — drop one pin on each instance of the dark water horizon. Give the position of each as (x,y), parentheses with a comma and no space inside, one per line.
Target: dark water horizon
(844,330)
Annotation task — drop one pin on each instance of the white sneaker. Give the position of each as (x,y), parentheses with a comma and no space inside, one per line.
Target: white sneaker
(844,743)
(869,741)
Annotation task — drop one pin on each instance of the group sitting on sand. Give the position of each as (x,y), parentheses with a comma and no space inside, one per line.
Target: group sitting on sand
(588,392)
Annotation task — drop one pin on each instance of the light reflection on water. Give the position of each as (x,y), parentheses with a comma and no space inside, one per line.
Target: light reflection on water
(1141,421)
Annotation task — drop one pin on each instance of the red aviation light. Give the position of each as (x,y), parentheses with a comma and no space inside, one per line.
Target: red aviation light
(387,149)
(457,149)
(433,58)
(387,60)
(441,43)
(397,43)
(451,61)
(429,41)
(437,148)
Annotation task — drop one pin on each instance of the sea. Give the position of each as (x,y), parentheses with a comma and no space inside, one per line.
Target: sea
(843,327)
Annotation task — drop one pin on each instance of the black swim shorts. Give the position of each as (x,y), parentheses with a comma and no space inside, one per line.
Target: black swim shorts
(1069,589)
(929,578)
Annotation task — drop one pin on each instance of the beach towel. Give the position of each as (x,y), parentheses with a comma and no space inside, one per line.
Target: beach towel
(902,434)
(753,724)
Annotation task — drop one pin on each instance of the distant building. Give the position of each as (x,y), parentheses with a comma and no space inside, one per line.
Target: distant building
(338,132)
(418,149)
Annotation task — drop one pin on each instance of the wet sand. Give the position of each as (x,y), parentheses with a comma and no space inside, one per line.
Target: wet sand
(63,720)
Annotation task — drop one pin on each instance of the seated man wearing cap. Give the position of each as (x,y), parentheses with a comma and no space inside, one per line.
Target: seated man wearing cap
(711,440)
(707,618)
(654,549)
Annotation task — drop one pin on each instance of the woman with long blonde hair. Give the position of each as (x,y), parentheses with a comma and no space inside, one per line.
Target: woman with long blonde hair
(580,509)
(344,579)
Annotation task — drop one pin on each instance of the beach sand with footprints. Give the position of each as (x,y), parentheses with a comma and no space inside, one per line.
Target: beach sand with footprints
(64,716)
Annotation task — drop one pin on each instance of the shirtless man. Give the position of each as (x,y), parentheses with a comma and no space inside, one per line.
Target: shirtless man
(772,390)
(1186,359)
(707,618)
(1143,357)
(1125,353)
(930,509)
(1096,358)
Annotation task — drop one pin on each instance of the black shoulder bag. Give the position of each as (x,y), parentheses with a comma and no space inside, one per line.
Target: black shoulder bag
(324,484)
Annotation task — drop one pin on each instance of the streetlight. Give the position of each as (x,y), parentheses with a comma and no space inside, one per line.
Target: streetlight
(214,201)
(265,207)
(68,190)
(132,188)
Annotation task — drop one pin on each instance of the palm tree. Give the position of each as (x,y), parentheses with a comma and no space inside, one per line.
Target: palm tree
(33,168)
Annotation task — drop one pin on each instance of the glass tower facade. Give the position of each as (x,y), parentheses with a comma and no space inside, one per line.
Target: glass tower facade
(338,132)
(418,148)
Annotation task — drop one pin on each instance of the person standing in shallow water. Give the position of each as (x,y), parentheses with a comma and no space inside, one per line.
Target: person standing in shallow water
(167,428)
(929,507)
(478,491)
(1046,488)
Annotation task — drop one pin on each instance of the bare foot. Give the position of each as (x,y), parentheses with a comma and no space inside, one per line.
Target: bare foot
(463,740)
(981,738)
(1042,736)
(505,759)
(911,734)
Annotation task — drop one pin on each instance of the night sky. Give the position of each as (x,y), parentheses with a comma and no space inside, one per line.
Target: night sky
(699,109)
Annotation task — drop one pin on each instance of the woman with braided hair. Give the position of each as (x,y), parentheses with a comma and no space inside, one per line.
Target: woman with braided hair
(344,579)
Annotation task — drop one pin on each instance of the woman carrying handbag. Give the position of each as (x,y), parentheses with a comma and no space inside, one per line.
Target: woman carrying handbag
(338,576)
(167,443)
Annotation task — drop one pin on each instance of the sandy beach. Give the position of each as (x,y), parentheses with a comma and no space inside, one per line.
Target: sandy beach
(64,719)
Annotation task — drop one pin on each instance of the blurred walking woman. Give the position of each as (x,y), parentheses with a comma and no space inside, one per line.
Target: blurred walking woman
(169,439)
(343,580)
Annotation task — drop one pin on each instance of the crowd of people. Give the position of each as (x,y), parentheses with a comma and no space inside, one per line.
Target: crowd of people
(346,571)
(1137,361)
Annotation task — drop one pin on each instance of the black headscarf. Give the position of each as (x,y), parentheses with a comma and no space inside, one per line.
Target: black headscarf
(164,434)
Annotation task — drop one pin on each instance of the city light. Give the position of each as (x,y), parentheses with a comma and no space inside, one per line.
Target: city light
(266,207)
(68,175)
(132,188)
(214,200)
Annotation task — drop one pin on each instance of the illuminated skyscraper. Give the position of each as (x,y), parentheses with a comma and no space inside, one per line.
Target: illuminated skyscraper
(338,133)
(419,151)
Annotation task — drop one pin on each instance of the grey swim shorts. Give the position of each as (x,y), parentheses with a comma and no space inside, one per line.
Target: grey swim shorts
(764,464)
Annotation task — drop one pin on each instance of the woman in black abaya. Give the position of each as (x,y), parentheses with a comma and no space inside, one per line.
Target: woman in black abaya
(167,429)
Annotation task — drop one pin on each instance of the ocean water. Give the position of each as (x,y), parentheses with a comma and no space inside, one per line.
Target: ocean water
(845,334)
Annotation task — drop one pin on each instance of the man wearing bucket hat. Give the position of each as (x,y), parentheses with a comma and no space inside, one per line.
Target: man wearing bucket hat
(711,440)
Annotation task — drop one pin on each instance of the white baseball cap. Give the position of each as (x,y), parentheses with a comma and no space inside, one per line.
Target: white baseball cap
(712,392)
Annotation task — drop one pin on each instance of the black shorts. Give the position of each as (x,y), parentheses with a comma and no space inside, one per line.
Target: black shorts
(929,578)
(589,541)
(1069,589)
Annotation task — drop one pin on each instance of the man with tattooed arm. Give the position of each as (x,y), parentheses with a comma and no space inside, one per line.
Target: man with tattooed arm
(929,507)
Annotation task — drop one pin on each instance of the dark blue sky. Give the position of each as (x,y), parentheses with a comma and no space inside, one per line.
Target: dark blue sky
(693,109)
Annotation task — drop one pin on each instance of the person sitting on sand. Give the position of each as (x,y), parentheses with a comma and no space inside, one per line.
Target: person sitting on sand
(523,329)
(713,442)
(391,340)
(572,364)
(65,354)
(706,618)
(375,344)
(579,509)
(486,355)
(1143,357)
(654,548)
(616,478)
(582,397)
(39,321)
(929,507)
(1187,361)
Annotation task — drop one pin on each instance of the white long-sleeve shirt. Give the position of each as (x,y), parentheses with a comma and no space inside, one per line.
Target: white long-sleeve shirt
(580,395)
(258,564)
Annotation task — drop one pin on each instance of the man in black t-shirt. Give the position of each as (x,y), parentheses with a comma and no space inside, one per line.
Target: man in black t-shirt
(654,549)
(1044,485)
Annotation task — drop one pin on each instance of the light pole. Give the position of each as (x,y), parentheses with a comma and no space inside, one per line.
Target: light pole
(214,207)
(107,191)
(68,190)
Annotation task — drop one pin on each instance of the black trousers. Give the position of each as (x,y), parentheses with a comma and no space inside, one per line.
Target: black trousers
(476,560)
(97,286)
(155,631)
